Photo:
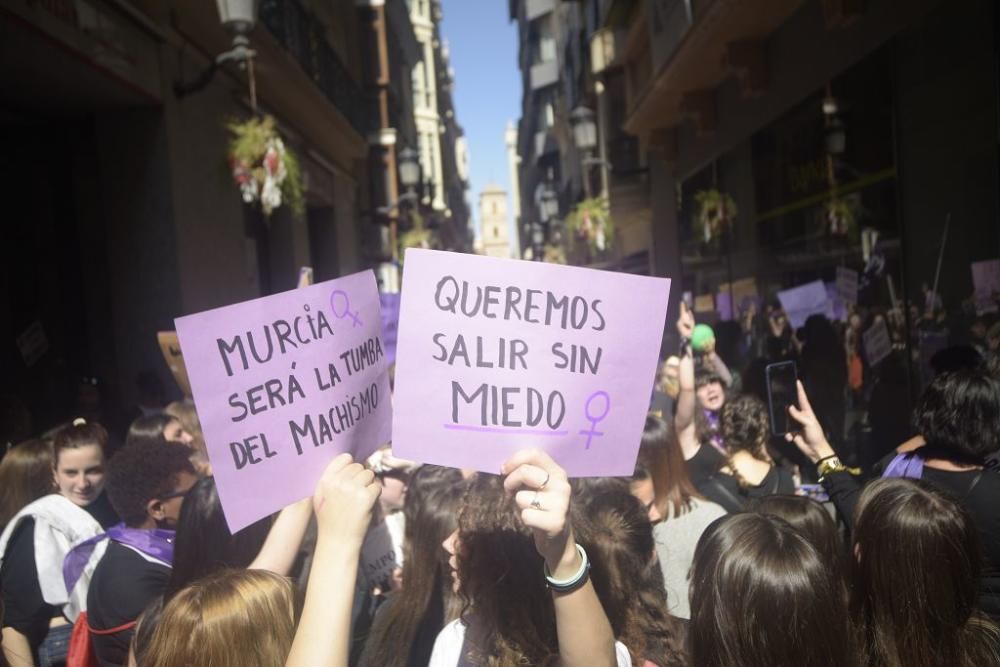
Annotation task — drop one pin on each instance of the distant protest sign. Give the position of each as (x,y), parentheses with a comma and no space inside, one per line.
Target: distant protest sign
(283,384)
(847,285)
(805,300)
(877,343)
(170,347)
(497,355)
(986,279)
(390,323)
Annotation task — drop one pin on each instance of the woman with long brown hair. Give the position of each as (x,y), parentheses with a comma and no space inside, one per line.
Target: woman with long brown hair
(405,627)
(523,579)
(25,476)
(763,596)
(614,529)
(679,512)
(916,572)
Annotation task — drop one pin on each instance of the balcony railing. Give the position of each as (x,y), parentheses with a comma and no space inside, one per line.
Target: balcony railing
(302,35)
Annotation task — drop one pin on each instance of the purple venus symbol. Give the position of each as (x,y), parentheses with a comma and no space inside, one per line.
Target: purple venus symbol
(340,296)
(595,418)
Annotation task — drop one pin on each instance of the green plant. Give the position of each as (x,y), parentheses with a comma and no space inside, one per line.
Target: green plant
(418,236)
(265,171)
(841,215)
(554,254)
(716,210)
(590,223)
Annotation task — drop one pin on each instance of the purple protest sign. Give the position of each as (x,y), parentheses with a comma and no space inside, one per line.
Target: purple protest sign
(496,355)
(805,300)
(283,384)
(390,323)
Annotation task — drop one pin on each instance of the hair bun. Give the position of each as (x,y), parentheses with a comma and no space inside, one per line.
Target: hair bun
(79,421)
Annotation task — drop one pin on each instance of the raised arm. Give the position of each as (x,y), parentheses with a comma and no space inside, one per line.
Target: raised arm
(720,368)
(343,504)
(840,482)
(687,403)
(284,539)
(542,492)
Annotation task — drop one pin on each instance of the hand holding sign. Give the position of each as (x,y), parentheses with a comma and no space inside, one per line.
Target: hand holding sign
(542,492)
(344,499)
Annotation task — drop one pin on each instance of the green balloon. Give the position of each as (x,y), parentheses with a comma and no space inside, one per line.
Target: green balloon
(701,337)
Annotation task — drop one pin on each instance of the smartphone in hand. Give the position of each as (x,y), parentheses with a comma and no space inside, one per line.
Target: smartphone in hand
(781,392)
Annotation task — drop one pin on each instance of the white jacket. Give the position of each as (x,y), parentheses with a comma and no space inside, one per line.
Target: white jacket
(59,525)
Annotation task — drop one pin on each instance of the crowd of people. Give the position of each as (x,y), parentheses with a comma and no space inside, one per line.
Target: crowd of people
(728,545)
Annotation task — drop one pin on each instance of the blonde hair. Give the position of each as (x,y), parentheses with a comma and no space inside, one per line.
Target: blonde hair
(233,618)
(184,412)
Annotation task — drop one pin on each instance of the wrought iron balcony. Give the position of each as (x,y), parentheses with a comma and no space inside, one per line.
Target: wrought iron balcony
(302,35)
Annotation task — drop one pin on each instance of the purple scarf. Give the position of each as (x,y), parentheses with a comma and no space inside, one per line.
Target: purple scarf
(714,424)
(908,464)
(155,542)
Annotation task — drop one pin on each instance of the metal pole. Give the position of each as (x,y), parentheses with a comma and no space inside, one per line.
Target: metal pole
(602,137)
(937,272)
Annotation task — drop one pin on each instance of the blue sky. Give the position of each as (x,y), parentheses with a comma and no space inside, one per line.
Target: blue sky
(487,94)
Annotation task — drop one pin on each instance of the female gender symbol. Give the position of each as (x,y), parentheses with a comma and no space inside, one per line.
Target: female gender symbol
(347,307)
(595,419)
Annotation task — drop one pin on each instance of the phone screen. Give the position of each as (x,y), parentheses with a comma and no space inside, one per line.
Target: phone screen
(781,392)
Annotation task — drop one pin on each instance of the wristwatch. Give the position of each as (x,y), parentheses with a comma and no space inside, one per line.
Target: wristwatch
(832,464)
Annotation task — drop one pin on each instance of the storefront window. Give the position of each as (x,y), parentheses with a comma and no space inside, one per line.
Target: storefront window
(802,220)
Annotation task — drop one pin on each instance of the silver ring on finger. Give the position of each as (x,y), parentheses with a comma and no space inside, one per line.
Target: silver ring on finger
(535,503)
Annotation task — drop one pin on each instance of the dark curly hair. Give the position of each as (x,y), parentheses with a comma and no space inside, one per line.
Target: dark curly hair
(614,529)
(744,424)
(501,581)
(960,413)
(140,472)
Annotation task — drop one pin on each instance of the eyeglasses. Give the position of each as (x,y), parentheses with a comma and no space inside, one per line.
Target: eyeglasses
(174,494)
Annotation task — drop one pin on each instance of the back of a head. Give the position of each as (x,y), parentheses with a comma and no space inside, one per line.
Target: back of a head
(745,424)
(960,412)
(660,454)
(916,573)
(142,471)
(501,578)
(761,594)
(233,618)
(808,517)
(25,476)
(615,530)
(204,544)
(955,358)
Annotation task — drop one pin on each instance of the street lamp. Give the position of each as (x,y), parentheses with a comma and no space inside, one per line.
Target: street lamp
(409,168)
(537,240)
(239,18)
(584,128)
(548,204)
